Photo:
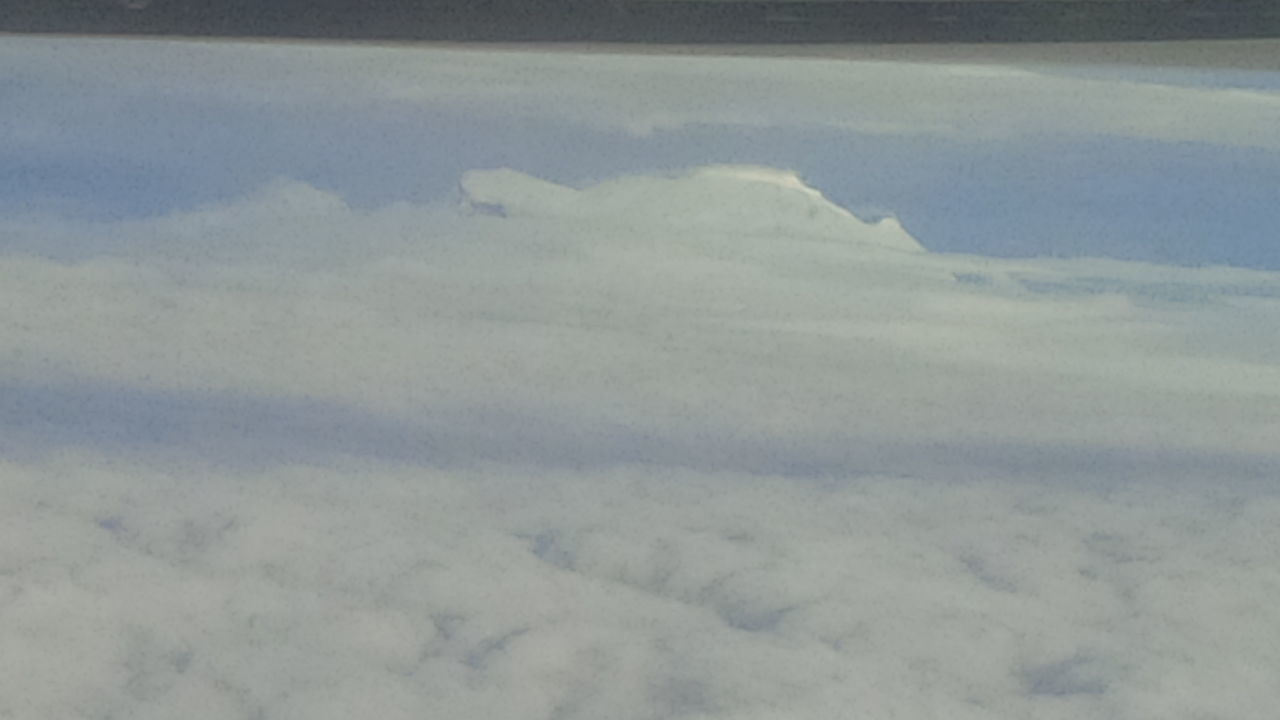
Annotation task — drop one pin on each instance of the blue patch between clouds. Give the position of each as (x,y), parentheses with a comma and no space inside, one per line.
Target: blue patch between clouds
(1106,197)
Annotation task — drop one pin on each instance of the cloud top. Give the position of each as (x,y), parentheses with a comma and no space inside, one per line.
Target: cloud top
(748,199)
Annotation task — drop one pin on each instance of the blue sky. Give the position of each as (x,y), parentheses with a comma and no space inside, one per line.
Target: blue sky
(116,152)
(308,409)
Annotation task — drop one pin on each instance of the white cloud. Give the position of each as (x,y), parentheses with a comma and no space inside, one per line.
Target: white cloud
(722,199)
(631,317)
(643,94)
(637,593)
(604,452)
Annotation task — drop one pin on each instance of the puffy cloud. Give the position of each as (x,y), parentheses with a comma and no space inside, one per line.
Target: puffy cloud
(634,593)
(722,199)
(631,450)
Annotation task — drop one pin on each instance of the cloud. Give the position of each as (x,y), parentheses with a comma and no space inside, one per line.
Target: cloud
(702,445)
(637,593)
(644,94)
(621,306)
(739,199)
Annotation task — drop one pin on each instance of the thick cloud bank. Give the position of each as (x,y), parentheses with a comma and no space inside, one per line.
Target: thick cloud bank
(700,446)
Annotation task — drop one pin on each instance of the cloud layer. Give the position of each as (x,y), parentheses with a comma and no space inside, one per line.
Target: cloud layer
(649,93)
(695,446)
(622,314)
(640,592)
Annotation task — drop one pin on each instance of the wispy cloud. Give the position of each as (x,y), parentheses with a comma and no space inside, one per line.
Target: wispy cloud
(648,94)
